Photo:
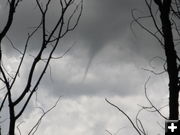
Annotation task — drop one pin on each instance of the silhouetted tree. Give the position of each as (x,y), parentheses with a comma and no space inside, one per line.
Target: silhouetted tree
(67,21)
(168,11)
(165,17)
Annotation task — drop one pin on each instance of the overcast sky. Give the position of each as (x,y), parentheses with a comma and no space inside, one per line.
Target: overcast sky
(106,61)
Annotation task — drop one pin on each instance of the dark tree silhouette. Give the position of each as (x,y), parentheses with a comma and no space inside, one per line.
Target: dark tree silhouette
(165,16)
(166,33)
(50,40)
(167,10)
(171,57)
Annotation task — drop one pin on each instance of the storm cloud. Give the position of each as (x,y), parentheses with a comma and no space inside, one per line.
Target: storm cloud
(106,60)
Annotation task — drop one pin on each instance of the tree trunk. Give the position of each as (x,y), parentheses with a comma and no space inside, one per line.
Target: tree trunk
(12,119)
(12,127)
(171,57)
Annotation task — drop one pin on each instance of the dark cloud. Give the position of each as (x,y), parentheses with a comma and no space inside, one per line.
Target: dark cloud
(103,23)
(106,61)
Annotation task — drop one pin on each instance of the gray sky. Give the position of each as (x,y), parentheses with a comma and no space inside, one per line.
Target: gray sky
(105,62)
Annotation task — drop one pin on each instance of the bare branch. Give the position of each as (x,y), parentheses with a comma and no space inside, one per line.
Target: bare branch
(12,9)
(35,127)
(18,127)
(109,132)
(3,101)
(155,73)
(21,61)
(136,19)
(130,120)
(146,95)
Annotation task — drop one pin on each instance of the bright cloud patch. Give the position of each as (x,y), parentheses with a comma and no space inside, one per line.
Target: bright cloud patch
(91,115)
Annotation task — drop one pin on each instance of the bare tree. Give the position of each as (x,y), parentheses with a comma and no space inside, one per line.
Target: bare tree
(166,32)
(137,124)
(50,41)
(164,16)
